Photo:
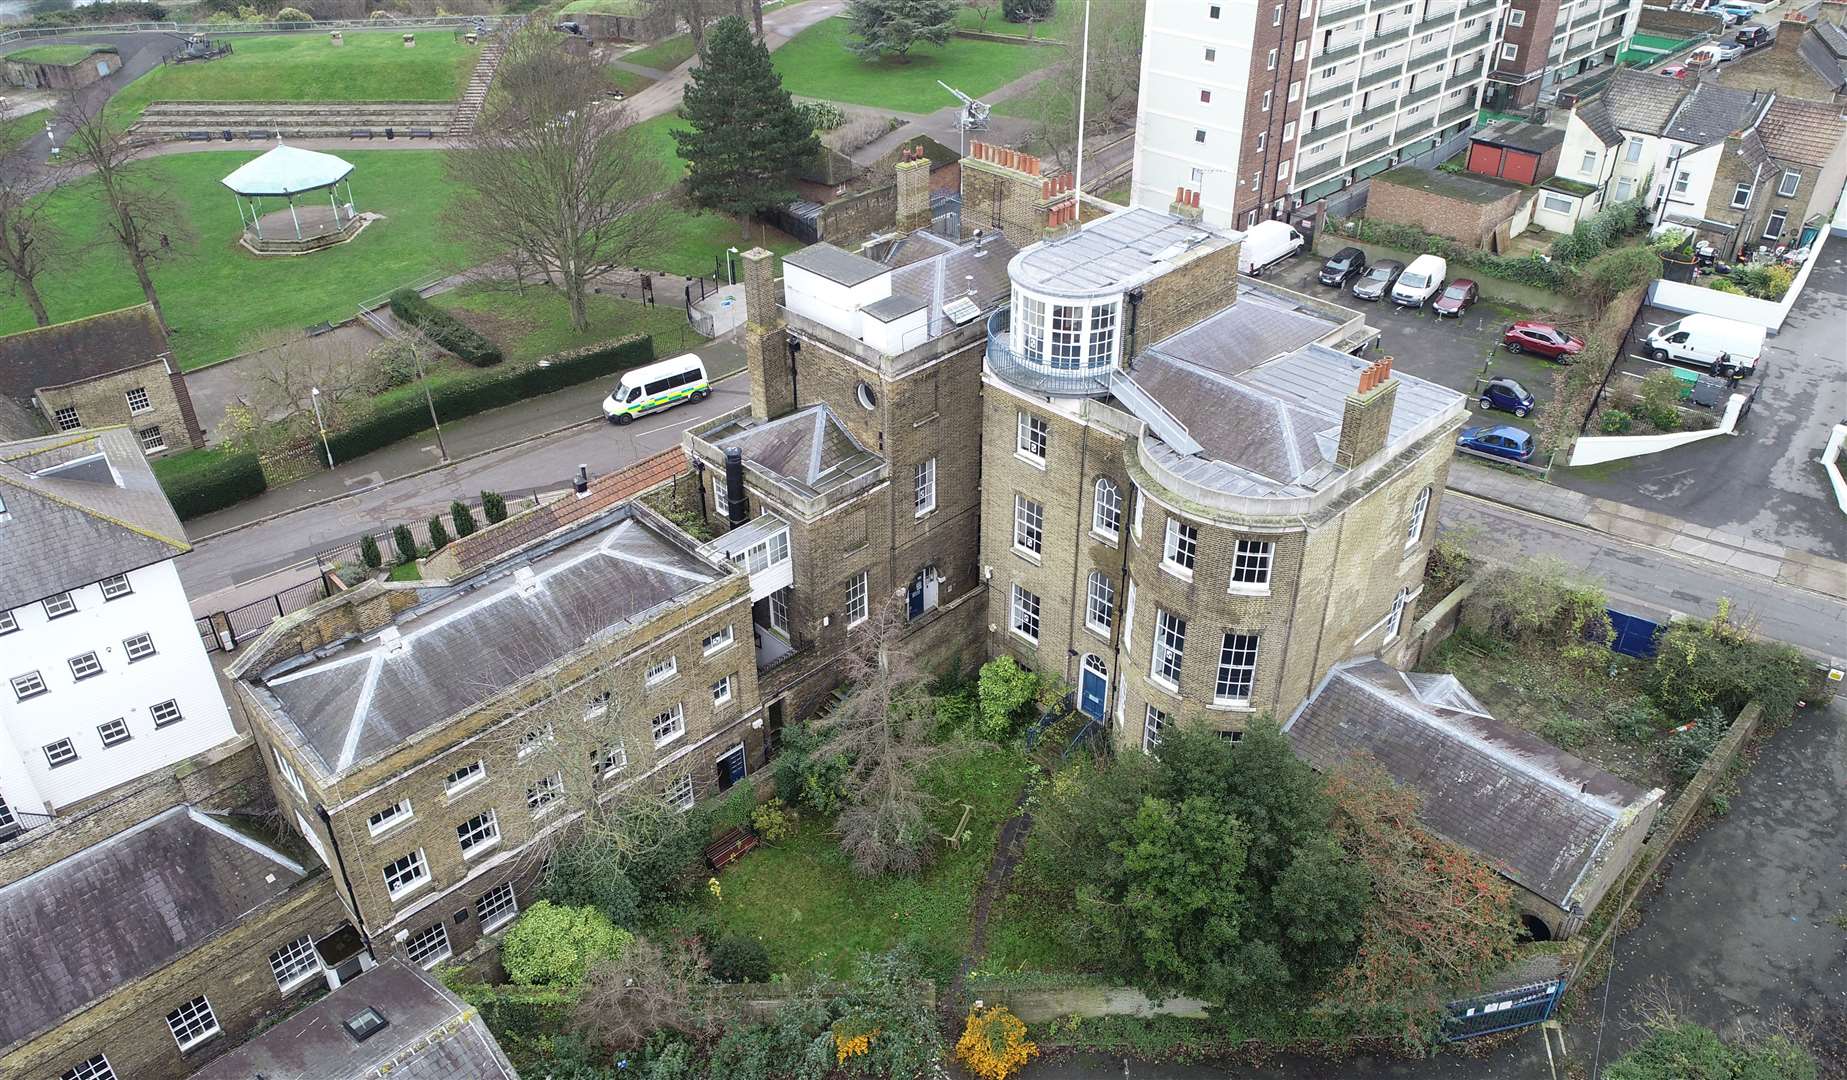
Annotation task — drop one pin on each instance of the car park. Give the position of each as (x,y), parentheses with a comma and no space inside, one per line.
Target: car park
(1420,281)
(1345,265)
(1501,440)
(1267,243)
(1506,395)
(1724,347)
(1542,339)
(1378,280)
(1458,296)
(1718,52)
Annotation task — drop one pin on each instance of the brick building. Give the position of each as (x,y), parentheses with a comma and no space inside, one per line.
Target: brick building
(1475,210)
(1777,182)
(114,368)
(1807,59)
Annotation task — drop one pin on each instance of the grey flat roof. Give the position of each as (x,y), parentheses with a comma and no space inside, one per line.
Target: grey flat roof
(952,271)
(1112,253)
(895,306)
(122,908)
(429,1034)
(841,267)
(469,642)
(1520,135)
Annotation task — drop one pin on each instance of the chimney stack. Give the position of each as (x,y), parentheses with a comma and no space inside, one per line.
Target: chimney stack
(1793,28)
(766,338)
(913,190)
(1366,421)
(737,505)
(1186,206)
(581,482)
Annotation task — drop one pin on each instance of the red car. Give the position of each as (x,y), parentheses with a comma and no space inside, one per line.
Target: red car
(1542,339)
(1458,296)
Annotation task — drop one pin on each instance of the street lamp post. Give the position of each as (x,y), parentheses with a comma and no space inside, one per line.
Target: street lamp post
(731,274)
(416,355)
(314,397)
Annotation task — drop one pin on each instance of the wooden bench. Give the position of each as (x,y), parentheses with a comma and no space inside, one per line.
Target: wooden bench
(420,133)
(731,846)
(257,134)
(360,133)
(198,136)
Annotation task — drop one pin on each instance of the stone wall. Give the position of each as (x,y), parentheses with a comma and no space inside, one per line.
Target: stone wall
(1185,295)
(104,401)
(847,221)
(1466,221)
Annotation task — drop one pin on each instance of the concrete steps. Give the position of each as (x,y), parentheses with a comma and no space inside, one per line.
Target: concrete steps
(293,119)
(469,108)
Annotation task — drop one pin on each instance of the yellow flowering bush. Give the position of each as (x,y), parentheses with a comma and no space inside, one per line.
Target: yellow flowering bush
(994,1044)
(851,1040)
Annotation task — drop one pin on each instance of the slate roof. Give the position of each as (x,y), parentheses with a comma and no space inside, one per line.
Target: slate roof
(430,1034)
(809,446)
(943,275)
(1596,117)
(81,506)
(1638,101)
(122,908)
(1113,253)
(1802,132)
(82,349)
(468,642)
(1711,112)
(527,526)
(1538,814)
(1824,49)
(840,267)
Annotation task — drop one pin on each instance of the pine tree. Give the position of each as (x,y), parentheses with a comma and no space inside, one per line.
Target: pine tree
(493,507)
(405,542)
(439,536)
(369,553)
(463,517)
(747,139)
(893,26)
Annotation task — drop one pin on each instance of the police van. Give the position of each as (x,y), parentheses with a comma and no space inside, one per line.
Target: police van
(656,386)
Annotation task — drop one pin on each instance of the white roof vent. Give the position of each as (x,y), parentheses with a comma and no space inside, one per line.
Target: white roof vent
(525,581)
(392,640)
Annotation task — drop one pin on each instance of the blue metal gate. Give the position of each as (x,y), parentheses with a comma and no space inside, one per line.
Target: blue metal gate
(1634,635)
(1503,1010)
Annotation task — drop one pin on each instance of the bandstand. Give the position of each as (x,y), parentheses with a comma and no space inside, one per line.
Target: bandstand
(306,224)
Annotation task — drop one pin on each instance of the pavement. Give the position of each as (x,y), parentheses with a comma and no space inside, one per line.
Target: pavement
(779,26)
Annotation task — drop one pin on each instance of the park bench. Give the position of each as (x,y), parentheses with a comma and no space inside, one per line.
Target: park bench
(420,133)
(360,133)
(198,136)
(730,846)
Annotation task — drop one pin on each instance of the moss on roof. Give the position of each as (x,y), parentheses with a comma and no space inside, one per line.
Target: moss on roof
(1569,187)
(1468,188)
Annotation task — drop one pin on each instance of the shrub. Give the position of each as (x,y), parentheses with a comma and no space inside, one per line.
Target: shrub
(1684,1051)
(1019,11)
(199,482)
(552,945)
(1006,691)
(1595,234)
(493,507)
(448,332)
(393,364)
(1766,282)
(807,777)
(584,873)
(1635,722)
(463,517)
(1660,401)
(994,1044)
(1718,665)
(738,958)
(439,536)
(1563,730)
(1523,270)
(291,15)
(369,553)
(1540,600)
(1616,272)
(773,821)
(821,115)
(405,543)
(1615,422)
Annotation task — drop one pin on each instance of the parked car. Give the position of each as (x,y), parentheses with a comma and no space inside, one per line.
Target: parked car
(1501,440)
(1265,244)
(1719,52)
(1732,16)
(1542,339)
(1347,264)
(1378,280)
(1752,36)
(1458,296)
(1725,347)
(1507,396)
(1420,281)
(1675,71)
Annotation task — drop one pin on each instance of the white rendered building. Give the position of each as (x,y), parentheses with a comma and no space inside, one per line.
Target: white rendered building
(106,678)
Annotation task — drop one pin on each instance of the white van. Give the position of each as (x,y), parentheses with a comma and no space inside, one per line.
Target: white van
(1265,244)
(656,386)
(1723,346)
(1420,281)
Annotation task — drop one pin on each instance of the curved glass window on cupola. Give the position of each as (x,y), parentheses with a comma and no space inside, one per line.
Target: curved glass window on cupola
(1057,346)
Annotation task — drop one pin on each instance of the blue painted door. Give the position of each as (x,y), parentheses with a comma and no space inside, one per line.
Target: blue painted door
(1093,690)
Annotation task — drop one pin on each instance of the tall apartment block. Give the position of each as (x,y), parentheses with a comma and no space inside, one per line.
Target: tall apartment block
(1261,107)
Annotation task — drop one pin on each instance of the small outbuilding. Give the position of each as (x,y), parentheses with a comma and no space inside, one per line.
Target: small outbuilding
(295,176)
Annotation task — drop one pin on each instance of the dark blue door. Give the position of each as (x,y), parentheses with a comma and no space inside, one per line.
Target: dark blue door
(731,768)
(1093,689)
(917,596)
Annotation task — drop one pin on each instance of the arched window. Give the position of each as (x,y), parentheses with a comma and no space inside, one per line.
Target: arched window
(1106,513)
(1100,608)
(1420,509)
(1395,621)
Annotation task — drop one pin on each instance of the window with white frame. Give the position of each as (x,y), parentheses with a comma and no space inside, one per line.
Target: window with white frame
(857,607)
(151,440)
(1025,621)
(721,692)
(1035,434)
(1270,61)
(139,647)
(610,760)
(496,907)
(779,610)
(59,605)
(1288,130)
(114,588)
(1267,95)
(289,775)
(1262,137)
(8,622)
(62,752)
(1558,204)
(596,706)
(1282,171)
(294,963)
(1741,196)
(96,1068)
(406,874)
(543,794)
(1102,352)
(1632,150)
(138,400)
(1237,669)
(1395,621)
(719,493)
(478,833)
(1152,725)
(1068,328)
(717,641)
(1510,51)
(1301,50)
(1789,183)
(1420,509)
(28,685)
(1295,88)
(429,946)
(662,670)
(1589,165)
(669,726)
(1682,180)
(85,666)
(1169,647)
(388,818)
(1773,226)
(1625,187)
(165,712)
(113,732)
(465,777)
(1106,509)
(1250,566)
(1516,17)
(1100,604)
(67,419)
(192,1023)
(679,793)
(923,487)
(1032,329)
(1276,16)
(1028,525)
(1181,549)
(531,740)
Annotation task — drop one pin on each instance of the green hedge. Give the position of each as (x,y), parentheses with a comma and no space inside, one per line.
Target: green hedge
(447,331)
(201,481)
(478,393)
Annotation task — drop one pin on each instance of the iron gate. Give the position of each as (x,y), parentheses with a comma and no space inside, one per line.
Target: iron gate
(252,619)
(207,636)
(1503,1010)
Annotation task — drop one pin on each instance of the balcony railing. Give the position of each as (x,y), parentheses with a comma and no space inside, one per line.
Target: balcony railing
(1415,128)
(1034,377)
(1371,113)
(1383,75)
(1319,171)
(1339,10)
(1359,155)
(1476,6)
(1463,78)
(1455,114)
(1436,22)
(1422,93)
(1466,44)
(1324,132)
(1336,55)
(1331,93)
(1586,19)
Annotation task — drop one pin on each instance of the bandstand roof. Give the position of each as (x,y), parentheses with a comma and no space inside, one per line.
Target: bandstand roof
(287,170)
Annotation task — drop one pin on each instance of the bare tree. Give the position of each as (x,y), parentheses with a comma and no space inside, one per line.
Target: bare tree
(695,15)
(553,174)
(274,405)
(649,988)
(1115,75)
(145,220)
(982,9)
(30,243)
(884,728)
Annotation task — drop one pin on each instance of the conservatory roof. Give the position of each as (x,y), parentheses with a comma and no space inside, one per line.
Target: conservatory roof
(287,170)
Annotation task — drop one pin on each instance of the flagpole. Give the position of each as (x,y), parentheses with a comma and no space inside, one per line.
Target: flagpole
(1083,85)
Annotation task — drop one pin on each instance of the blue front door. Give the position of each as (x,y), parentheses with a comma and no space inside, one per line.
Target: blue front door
(731,768)
(1093,689)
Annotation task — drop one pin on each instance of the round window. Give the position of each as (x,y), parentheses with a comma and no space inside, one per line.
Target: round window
(865,395)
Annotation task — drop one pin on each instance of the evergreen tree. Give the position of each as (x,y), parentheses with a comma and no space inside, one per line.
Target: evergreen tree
(439,536)
(463,517)
(893,26)
(747,139)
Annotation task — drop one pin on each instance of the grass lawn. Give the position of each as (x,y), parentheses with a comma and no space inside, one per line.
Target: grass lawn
(629,82)
(536,322)
(218,296)
(20,128)
(1045,99)
(817,64)
(1066,23)
(407,571)
(802,900)
(61,55)
(371,66)
(664,55)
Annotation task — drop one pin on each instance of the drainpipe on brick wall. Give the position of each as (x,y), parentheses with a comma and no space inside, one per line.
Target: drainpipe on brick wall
(339,859)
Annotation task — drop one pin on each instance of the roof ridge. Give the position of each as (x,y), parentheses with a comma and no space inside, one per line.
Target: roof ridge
(180,546)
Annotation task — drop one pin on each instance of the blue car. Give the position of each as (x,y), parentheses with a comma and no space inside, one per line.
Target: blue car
(1502,440)
(1507,396)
